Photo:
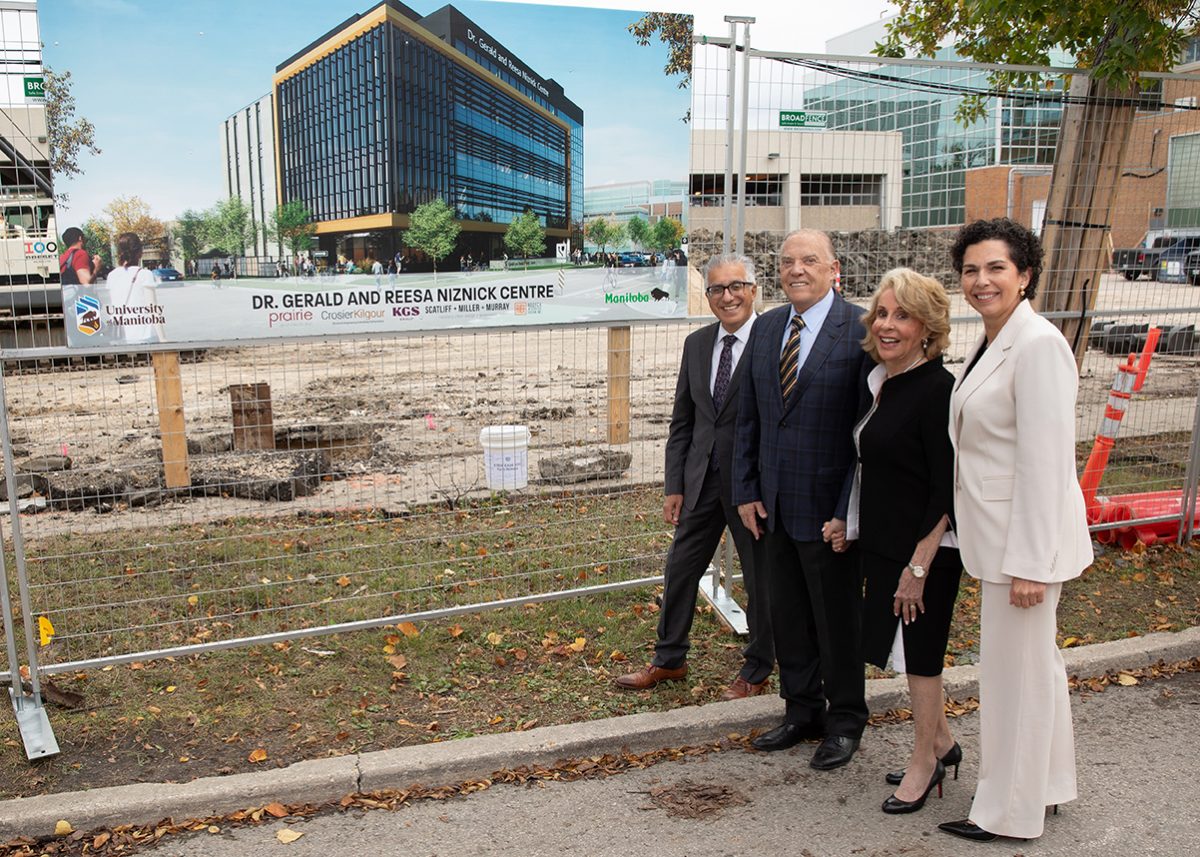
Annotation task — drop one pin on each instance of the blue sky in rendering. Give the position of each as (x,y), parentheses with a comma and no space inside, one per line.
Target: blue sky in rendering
(158,79)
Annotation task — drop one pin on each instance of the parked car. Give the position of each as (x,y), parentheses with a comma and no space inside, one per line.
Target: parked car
(166,275)
(1172,260)
(1146,256)
(630,260)
(1192,267)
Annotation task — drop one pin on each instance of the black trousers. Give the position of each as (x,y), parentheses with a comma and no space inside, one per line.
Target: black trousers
(696,538)
(816,601)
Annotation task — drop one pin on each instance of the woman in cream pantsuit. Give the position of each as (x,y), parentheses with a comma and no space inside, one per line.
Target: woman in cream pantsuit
(1021,529)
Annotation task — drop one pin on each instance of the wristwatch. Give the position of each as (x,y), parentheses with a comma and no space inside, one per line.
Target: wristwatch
(918,571)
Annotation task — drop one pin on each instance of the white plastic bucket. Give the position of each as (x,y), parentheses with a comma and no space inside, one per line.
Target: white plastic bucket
(505,456)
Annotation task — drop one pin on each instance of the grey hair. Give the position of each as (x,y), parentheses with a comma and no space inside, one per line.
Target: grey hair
(731,259)
(818,234)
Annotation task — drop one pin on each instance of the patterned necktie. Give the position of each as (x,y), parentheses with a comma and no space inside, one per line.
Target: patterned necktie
(724,370)
(789,360)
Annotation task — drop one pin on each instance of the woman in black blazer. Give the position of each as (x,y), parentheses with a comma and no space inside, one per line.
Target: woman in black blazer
(900,510)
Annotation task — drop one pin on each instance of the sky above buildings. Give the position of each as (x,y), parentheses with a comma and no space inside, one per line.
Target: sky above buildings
(158,79)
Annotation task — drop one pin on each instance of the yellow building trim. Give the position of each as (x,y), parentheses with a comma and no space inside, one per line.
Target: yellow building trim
(372,222)
(368,222)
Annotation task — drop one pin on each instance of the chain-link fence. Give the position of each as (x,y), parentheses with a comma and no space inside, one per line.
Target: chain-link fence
(876,153)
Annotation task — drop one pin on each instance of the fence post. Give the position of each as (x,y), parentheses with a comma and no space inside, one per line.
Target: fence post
(34,725)
(168,391)
(1191,483)
(619,340)
(740,220)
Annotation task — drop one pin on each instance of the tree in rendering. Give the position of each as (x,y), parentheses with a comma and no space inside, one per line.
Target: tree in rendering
(525,236)
(666,234)
(291,226)
(639,232)
(1116,41)
(190,231)
(603,232)
(433,231)
(132,214)
(67,136)
(230,228)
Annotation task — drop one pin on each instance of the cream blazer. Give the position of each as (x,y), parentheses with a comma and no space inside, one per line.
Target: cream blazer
(1017,501)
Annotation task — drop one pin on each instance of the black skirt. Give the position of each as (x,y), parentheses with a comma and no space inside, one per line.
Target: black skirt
(925,639)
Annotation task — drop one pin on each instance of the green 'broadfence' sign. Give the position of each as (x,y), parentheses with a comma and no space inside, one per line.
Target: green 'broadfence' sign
(803,119)
(33,88)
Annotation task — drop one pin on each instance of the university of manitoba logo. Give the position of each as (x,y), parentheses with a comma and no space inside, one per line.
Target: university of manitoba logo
(87,315)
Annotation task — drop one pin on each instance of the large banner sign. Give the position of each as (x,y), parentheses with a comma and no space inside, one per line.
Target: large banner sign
(207,311)
(419,166)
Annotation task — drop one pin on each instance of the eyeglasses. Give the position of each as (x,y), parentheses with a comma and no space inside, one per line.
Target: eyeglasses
(735,288)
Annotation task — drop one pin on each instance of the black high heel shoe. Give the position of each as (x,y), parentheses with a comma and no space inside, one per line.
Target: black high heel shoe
(953,757)
(895,806)
(967,829)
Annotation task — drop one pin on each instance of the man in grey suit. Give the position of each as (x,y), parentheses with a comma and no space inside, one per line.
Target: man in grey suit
(698,484)
(793,461)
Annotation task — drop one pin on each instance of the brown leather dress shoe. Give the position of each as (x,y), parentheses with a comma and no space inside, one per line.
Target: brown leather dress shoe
(741,688)
(646,678)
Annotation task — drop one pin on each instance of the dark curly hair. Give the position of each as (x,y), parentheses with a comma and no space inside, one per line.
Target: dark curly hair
(1024,248)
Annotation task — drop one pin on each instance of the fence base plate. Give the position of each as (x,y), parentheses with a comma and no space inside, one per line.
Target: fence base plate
(730,611)
(34,725)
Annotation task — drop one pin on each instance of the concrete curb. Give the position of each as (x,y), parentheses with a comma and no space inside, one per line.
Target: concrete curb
(453,761)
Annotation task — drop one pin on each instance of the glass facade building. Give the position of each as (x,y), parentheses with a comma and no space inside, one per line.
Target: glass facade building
(920,102)
(392,109)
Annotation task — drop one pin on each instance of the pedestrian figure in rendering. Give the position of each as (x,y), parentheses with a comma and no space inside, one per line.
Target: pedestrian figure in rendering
(132,294)
(793,466)
(1019,516)
(699,461)
(900,510)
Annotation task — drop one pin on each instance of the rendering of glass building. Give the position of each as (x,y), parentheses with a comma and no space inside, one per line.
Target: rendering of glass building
(391,109)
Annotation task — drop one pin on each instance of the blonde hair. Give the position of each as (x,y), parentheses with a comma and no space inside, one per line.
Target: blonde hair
(921,297)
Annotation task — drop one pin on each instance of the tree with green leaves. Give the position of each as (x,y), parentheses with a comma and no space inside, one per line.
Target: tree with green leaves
(674,29)
(433,230)
(190,230)
(291,225)
(603,232)
(98,239)
(230,227)
(639,232)
(666,234)
(1115,41)
(67,135)
(525,236)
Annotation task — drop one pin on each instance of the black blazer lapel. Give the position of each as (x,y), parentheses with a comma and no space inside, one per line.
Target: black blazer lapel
(705,357)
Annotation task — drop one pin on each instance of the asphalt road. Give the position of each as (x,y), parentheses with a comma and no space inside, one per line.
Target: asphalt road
(1138,774)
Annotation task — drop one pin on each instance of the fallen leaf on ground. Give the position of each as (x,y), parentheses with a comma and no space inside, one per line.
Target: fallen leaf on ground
(343,581)
(277,809)
(1126,680)
(494,638)
(288,836)
(408,629)
(456,630)
(398,661)
(63,827)
(259,755)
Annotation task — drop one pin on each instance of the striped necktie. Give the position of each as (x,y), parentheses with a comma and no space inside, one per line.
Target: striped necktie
(789,360)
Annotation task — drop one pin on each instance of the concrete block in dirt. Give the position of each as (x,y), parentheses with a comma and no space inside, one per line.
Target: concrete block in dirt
(44,464)
(577,467)
(79,489)
(260,475)
(209,444)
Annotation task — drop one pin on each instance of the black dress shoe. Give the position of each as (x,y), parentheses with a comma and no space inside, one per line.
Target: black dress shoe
(787,735)
(897,806)
(953,757)
(967,829)
(835,751)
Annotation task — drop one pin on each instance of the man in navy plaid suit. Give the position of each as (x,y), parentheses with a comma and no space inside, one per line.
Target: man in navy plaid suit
(792,468)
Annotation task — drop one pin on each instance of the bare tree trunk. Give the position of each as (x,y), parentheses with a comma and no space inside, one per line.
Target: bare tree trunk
(1092,138)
